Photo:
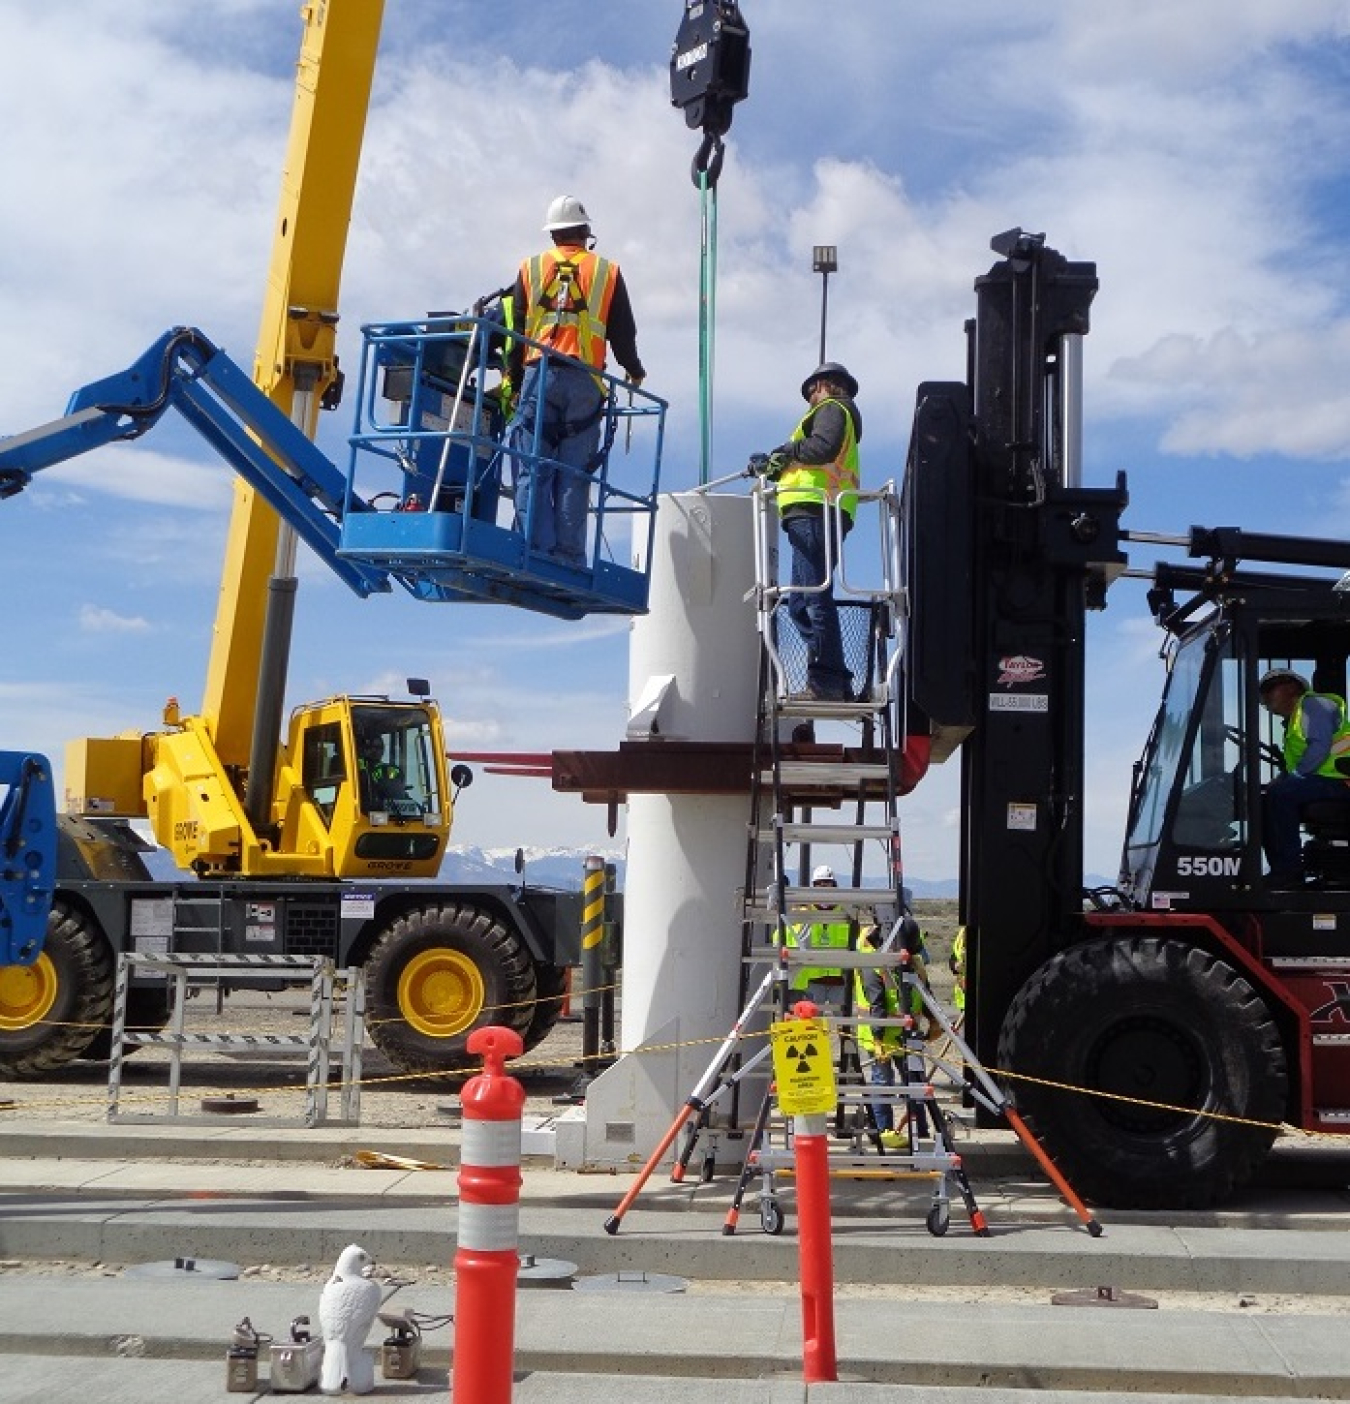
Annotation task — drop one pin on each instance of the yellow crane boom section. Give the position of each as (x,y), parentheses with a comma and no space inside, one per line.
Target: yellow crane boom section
(297,335)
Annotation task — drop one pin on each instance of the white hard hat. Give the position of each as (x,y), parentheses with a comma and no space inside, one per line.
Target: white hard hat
(824,873)
(566,212)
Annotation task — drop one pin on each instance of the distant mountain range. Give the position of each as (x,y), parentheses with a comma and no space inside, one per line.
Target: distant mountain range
(565,867)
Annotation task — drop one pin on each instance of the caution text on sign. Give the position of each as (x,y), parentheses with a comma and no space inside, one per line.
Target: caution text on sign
(803,1067)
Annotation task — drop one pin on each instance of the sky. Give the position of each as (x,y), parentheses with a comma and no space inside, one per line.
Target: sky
(1194,152)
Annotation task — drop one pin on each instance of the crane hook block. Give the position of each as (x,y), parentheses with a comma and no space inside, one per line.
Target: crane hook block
(710,64)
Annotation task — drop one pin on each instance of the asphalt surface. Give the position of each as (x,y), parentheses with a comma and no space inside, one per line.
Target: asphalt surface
(292,1199)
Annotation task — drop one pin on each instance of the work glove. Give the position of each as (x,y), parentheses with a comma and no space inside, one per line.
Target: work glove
(767,465)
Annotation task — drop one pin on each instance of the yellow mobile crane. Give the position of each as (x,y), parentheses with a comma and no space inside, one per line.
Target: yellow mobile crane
(358,800)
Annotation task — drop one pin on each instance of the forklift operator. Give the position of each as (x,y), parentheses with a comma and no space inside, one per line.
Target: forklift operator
(1316,747)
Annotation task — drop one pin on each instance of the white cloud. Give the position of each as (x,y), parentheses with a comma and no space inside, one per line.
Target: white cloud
(1193,151)
(96,620)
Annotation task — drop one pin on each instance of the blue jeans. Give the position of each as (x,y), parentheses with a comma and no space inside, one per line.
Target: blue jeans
(555,486)
(883,1075)
(815,615)
(1284,799)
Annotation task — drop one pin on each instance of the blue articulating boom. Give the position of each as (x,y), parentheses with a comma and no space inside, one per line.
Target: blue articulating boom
(441,545)
(27,854)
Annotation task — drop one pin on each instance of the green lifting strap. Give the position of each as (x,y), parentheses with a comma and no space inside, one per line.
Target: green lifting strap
(707,308)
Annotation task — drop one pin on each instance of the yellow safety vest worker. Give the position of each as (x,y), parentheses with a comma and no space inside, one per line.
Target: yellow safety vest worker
(832,935)
(958,964)
(892,1036)
(1296,742)
(816,482)
(568,291)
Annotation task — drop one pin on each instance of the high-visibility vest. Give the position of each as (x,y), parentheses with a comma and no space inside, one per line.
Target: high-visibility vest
(959,968)
(568,291)
(1296,742)
(892,1037)
(815,482)
(831,935)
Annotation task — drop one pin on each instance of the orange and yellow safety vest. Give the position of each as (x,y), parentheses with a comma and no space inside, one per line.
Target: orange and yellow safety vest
(568,291)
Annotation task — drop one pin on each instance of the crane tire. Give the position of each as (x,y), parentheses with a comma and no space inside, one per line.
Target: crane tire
(51,1011)
(437,973)
(550,992)
(147,1012)
(1150,1020)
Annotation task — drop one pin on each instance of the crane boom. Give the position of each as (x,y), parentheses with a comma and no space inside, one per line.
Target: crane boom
(295,360)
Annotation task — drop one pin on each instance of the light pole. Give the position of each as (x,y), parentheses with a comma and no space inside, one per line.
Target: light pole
(824,260)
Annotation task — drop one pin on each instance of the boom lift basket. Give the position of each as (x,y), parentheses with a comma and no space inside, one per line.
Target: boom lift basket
(428,454)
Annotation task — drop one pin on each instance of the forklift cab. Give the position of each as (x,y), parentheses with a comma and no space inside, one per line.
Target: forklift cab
(1195,832)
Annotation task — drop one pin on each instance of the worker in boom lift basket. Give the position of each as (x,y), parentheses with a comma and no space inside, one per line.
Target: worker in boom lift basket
(1316,747)
(574,302)
(817,475)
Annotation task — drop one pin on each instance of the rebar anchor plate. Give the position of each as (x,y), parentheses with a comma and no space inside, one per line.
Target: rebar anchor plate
(1103,1297)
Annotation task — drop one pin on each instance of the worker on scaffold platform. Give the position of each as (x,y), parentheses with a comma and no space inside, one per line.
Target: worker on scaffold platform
(817,470)
(821,984)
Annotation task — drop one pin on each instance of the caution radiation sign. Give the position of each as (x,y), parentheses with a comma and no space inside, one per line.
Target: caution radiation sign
(803,1066)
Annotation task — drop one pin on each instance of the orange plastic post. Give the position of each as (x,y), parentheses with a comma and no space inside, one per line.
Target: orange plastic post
(815,1249)
(815,1239)
(487,1255)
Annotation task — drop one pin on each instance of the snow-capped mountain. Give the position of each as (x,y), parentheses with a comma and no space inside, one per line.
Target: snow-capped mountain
(544,867)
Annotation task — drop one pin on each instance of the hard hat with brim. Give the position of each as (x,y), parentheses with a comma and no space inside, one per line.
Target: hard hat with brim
(566,212)
(824,873)
(830,370)
(1276,676)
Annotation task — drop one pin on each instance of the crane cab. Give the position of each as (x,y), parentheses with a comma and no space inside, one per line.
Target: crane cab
(433,483)
(364,781)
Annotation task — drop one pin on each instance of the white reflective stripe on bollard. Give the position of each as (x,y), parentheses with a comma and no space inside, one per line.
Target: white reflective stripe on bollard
(488,1228)
(490,1143)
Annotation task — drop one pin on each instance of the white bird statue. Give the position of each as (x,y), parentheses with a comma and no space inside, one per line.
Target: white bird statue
(347,1307)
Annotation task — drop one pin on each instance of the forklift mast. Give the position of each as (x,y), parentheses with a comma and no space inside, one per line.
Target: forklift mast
(997,648)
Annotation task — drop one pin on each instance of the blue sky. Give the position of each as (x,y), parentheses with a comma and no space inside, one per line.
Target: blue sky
(1195,152)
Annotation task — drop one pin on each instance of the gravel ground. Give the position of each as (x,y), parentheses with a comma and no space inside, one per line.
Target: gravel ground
(389,1098)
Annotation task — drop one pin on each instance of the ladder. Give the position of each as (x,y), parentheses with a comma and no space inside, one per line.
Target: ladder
(835,795)
(813,793)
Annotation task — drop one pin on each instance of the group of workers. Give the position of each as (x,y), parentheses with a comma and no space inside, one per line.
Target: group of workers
(575,302)
(890,994)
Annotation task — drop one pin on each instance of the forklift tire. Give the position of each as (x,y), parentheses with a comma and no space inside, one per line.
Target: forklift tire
(52,1010)
(550,993)
(147,1012)
(437,973)
(1150,1021)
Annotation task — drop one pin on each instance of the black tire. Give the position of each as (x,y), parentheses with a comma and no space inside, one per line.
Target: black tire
(52,1011)
(1152,1020)
(771,1217)
(550,992)
(939,1220)
(437,973)
(147,1012)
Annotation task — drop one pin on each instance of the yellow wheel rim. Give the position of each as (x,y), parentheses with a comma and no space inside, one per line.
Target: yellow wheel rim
(441,993)
(27,993)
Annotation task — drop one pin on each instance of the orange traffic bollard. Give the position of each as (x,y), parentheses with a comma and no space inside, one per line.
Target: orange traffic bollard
(815,1240)
(487,1257)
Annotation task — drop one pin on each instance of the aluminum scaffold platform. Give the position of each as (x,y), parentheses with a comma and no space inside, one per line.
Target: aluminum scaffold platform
(815,794)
